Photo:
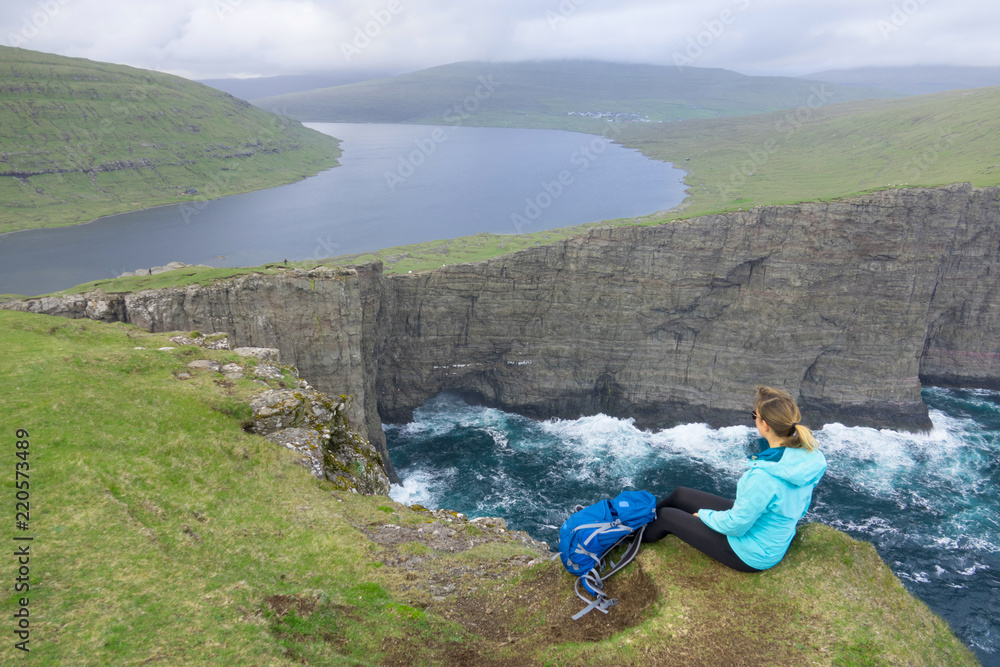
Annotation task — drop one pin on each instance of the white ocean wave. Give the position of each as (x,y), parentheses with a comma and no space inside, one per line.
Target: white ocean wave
(422,487)
(979,399)
(977,544)
(411,492)
(910,468)
(601,445)
(875,525)
(949,543)
(593,432)
(627,451)
(724,449)
(423,428)
(916,577)
(499,436)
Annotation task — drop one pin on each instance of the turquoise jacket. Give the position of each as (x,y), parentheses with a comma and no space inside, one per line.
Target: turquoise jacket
(771,497)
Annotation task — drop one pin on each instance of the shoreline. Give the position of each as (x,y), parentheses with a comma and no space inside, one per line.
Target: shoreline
(155,206)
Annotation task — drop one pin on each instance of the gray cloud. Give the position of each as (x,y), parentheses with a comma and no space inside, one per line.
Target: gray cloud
(216,38)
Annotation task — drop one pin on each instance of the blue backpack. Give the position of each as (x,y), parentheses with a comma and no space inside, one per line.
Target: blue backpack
(591,532)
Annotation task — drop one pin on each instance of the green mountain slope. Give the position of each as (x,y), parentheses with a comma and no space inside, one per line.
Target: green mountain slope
(843,149)
(553,94)
(913,79)
(165,534)
(80,139)
(265,86)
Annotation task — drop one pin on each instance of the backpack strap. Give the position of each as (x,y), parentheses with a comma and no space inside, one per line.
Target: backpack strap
(629,555)
(599,529)
(601,601)
(613,526)
(593,582)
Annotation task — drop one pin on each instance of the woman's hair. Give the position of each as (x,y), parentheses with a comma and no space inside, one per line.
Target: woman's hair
(778,409)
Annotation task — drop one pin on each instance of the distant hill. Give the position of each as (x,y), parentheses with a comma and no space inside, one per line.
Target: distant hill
(267,86)
(915,80)
(81,139)
(834,151)
(569,94)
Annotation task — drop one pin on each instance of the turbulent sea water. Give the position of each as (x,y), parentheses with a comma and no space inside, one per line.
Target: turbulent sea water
(928,502)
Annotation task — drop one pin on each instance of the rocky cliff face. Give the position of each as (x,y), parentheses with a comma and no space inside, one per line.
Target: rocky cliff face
(845,304)
(848,305)
(320,321)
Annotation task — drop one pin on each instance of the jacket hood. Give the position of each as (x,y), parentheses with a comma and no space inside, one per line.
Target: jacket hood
(798,467)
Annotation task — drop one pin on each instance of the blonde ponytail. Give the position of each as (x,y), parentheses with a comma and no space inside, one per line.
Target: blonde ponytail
(802,438)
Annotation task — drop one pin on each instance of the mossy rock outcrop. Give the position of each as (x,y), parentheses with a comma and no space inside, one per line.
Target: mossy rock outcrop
(350,461)
(315,425)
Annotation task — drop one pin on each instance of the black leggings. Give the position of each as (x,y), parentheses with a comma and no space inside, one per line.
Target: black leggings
(675,515)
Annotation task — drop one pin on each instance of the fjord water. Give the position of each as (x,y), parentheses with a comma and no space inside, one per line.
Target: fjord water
(397,184)
(928,502)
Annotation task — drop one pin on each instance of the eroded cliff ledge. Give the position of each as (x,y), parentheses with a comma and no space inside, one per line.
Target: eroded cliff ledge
(849,305)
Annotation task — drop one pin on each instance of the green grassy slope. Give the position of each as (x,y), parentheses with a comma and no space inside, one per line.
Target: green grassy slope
(164,534)
(835,151)
(541,94)
(913,79)
(81,139)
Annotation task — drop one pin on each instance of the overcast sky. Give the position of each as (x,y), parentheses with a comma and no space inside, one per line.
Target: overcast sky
(221,38)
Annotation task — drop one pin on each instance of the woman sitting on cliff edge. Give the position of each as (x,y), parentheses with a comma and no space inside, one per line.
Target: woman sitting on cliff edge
(753,532)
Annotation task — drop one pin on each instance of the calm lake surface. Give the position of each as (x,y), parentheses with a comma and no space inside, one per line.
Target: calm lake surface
(397,184)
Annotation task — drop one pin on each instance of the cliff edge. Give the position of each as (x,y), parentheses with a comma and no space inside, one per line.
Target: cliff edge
(849,305)
(224,548)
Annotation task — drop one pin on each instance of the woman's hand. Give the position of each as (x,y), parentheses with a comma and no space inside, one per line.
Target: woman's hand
(695,514)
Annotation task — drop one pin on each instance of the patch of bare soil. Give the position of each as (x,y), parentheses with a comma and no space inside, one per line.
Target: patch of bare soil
(304,605)
(513,623)
(725,623)
(509,621)
(539,610)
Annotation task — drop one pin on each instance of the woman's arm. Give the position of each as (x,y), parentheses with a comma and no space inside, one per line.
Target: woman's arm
(752,498)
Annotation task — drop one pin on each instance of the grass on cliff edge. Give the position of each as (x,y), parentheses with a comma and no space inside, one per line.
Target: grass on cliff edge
(161,529)
(399,259)
(164,533)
